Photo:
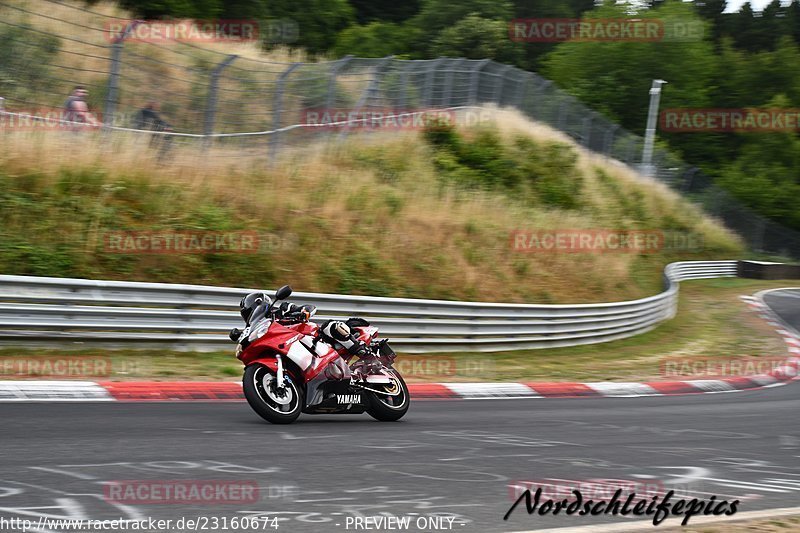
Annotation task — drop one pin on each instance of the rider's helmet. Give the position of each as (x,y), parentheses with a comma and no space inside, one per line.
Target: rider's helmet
(250,303)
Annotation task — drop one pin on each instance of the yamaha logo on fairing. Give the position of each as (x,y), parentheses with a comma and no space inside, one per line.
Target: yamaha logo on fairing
(348,398)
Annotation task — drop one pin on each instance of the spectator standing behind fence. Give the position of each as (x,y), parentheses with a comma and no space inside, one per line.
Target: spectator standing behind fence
(149,118)
(76,111)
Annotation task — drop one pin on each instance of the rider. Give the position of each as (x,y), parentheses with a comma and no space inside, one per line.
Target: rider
(254,306)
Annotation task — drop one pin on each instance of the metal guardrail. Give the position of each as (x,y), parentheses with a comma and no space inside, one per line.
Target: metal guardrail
(68,313)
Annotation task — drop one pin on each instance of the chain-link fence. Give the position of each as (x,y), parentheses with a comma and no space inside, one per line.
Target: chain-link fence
(232,105)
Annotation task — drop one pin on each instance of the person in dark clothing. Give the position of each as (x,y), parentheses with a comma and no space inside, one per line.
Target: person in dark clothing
(149,118)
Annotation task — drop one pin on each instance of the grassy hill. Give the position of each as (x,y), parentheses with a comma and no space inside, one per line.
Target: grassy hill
(422,213)
(415,213)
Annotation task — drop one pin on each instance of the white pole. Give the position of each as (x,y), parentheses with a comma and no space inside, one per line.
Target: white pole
(650,133)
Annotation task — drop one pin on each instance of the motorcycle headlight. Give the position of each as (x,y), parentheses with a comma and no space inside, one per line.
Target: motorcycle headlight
(238,350)
(259,331)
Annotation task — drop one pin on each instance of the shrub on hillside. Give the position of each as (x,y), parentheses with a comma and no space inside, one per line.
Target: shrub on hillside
(541,173)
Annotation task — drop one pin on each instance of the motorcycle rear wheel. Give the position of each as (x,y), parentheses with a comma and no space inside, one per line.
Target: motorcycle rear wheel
(389,408)
(266,400)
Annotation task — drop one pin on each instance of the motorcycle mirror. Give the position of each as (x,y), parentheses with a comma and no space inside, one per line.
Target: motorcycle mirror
(234,334)
(283,293)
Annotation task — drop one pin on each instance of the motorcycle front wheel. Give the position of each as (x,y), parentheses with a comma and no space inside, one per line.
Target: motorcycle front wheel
(267,399)
(388,408)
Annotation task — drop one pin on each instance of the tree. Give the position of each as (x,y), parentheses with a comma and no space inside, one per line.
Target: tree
(384,10)
(151,9)
(765,175)
(615,77)
(712,11)
(376,39)
(438,15)
(793,20)
(319,21)
(542,9)
(745,29)
(475,37)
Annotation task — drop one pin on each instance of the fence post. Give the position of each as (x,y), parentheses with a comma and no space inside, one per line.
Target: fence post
(448,82)
(334,72)
(631,155)
(113,77)
(562,115)
(368,92)
(277,106)
(428,89)
(474,81)
(519,91)
(760,230)
(609,139)
(404,94)
(587,131)
(211,100)
(498,89)
(541,88)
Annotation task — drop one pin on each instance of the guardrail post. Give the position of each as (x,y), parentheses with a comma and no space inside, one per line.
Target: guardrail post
(277,106)
(211,100)
(113,77)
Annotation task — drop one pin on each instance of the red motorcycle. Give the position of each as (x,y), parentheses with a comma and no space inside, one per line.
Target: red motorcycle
(289,369)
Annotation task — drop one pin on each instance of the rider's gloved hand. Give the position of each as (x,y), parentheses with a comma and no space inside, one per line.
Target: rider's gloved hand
(286,309)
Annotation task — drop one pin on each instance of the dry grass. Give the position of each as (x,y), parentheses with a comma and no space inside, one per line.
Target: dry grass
(371,213)
(170,72)
(412,234)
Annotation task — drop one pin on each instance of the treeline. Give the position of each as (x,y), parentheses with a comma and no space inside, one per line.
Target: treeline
(744,59)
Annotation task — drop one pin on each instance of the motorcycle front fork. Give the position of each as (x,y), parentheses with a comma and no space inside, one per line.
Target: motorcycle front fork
(279,376)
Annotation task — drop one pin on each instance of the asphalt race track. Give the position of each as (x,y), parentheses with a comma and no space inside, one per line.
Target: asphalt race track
(452,459)
(786,304)
(447,458)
